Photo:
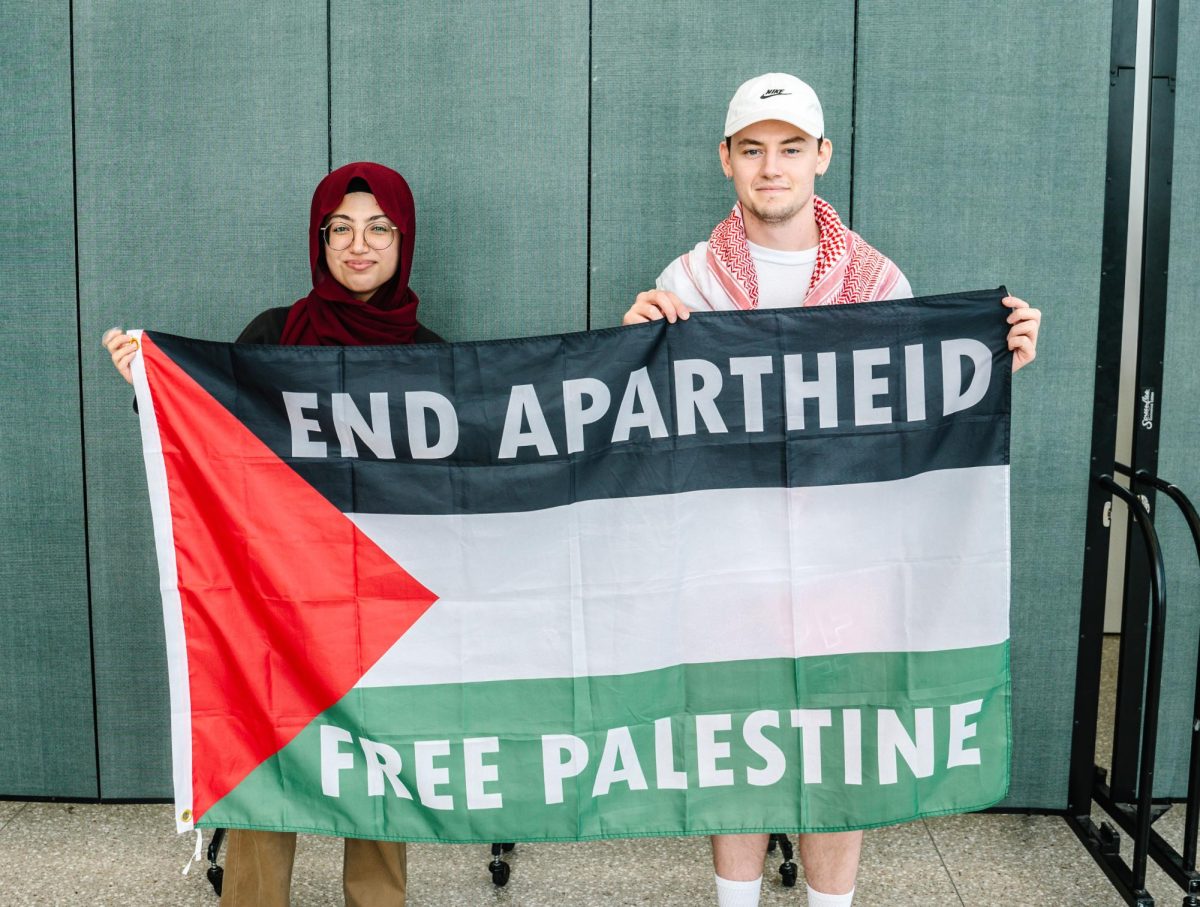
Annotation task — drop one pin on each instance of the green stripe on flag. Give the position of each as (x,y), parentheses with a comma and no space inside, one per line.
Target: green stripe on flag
(879,738)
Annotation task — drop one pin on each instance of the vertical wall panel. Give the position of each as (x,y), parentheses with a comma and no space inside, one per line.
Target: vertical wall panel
(202,130)
(1179,441)
(663,74)
(47,741)
(483,109)
(981,148)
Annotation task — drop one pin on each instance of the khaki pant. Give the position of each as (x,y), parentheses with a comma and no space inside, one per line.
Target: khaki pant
(258,870)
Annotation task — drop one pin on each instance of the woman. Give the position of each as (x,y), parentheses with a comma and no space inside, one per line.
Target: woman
(362,230)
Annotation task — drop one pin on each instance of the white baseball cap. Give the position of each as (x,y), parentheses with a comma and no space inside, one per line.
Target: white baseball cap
(776,96)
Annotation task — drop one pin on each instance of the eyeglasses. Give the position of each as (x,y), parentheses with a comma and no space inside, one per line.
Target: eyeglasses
(339,235)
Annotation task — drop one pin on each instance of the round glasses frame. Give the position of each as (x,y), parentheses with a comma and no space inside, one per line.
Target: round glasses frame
(378,235)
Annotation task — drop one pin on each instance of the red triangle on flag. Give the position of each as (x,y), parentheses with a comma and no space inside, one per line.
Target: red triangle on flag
(286,603)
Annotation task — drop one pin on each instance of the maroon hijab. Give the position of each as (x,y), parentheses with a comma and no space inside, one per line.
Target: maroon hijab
(330,315)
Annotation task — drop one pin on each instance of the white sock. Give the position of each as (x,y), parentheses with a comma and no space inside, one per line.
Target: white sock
(738,894)
(820,899)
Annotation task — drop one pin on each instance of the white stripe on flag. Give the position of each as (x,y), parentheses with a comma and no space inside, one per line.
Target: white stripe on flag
(164,548)
(622,585)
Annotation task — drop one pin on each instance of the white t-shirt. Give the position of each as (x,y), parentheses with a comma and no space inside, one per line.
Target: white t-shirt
(783,278)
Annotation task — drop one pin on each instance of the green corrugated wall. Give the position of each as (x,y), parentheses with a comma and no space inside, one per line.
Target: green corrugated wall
(561,155)
(47,735)
(982,142)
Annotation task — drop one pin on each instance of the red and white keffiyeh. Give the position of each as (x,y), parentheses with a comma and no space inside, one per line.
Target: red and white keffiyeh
(848,268)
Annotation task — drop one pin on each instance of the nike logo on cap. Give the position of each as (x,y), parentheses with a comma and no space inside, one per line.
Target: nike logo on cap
(772,93)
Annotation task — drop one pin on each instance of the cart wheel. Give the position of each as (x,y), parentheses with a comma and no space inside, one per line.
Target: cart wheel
(216,876)
(500,871)
(787,874)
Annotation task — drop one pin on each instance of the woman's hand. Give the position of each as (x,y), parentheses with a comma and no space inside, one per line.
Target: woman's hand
(1023,335)
(654,305)
(122,348)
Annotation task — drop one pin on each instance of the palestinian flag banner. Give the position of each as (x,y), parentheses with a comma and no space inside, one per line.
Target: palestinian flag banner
(744,573)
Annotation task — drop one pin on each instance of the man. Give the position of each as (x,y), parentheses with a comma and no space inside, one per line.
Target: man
(784,246)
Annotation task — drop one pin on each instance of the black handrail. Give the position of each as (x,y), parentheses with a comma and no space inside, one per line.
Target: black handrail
(1191,822)
(1158,600)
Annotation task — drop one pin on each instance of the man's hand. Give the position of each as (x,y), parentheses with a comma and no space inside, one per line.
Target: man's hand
(1022,336)
(654,305)
(122,348)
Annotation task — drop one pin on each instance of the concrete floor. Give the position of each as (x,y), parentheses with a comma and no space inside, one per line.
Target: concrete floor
(68,854)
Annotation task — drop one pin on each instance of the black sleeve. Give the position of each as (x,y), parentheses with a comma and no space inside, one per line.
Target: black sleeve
(266,328)
(424,335)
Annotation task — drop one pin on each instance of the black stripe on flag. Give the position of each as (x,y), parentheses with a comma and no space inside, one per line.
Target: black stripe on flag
(875,434)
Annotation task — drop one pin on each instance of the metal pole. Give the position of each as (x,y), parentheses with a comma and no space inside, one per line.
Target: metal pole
(1158,601)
